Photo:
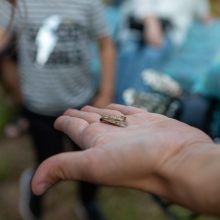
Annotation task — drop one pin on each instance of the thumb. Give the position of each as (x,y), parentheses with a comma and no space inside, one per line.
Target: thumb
(65,166)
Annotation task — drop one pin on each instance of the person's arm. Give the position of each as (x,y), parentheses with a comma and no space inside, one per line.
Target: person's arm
(10,75)
(153,33)
(11,79)
(107,57)
(99,31)
(8,22)
(3,40)
(152,153)
(146,11)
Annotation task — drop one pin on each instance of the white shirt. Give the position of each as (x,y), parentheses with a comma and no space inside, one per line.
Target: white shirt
(180,12)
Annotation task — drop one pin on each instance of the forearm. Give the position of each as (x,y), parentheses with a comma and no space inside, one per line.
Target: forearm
(3,40)
(150,21)
(153,33)
(107,56)
(11,79)
(192,178)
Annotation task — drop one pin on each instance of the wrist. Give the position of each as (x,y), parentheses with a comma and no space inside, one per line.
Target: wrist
(190,177)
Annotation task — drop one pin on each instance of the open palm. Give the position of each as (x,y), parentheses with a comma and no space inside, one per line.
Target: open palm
(122,156)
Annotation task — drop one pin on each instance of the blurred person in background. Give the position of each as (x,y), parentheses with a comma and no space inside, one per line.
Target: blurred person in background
(148,32)
(17,123)
(156,15)
(54,68)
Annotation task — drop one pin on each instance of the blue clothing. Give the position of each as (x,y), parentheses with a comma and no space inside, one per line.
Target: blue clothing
(132,60)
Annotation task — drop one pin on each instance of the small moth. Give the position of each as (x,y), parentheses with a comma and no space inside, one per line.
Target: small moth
(119,120)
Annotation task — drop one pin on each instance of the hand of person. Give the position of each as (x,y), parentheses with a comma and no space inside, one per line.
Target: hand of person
(153,153)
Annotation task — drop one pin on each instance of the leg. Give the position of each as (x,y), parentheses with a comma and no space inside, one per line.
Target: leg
(46,141)
(87,192)
(88,197)
(126,64)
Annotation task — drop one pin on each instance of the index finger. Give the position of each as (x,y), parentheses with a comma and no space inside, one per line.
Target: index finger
(101,111)
(72,127)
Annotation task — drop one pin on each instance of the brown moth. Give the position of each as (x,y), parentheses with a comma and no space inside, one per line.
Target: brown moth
(119,120)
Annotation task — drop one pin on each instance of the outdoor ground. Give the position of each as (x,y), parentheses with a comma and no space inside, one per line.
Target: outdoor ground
(61,202)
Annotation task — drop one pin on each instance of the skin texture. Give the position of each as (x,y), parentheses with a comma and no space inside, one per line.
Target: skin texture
(153,153)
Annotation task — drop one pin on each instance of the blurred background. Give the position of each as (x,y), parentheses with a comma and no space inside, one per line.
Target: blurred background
(119,204)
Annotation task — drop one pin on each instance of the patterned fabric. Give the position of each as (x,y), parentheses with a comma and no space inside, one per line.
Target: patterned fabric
(54,52)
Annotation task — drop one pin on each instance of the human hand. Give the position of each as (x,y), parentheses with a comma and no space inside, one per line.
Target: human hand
(130,157)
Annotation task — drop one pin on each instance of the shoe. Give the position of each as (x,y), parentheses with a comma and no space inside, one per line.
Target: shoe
(29,204)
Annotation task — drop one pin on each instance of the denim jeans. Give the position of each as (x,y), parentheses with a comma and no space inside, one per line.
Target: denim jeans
(133,59)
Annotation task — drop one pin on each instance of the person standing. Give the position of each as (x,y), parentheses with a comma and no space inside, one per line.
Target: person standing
(149,31)
(54,67)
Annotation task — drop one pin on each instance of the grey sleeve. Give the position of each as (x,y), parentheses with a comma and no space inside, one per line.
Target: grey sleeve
(99,27)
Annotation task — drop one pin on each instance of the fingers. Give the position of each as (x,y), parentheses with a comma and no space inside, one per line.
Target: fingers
(72,127)
(89,117)
(74,122)
(92,114)
(126,110)
(66,166)
(101,111)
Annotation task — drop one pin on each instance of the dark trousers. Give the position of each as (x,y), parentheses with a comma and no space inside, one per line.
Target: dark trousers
(48,141)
